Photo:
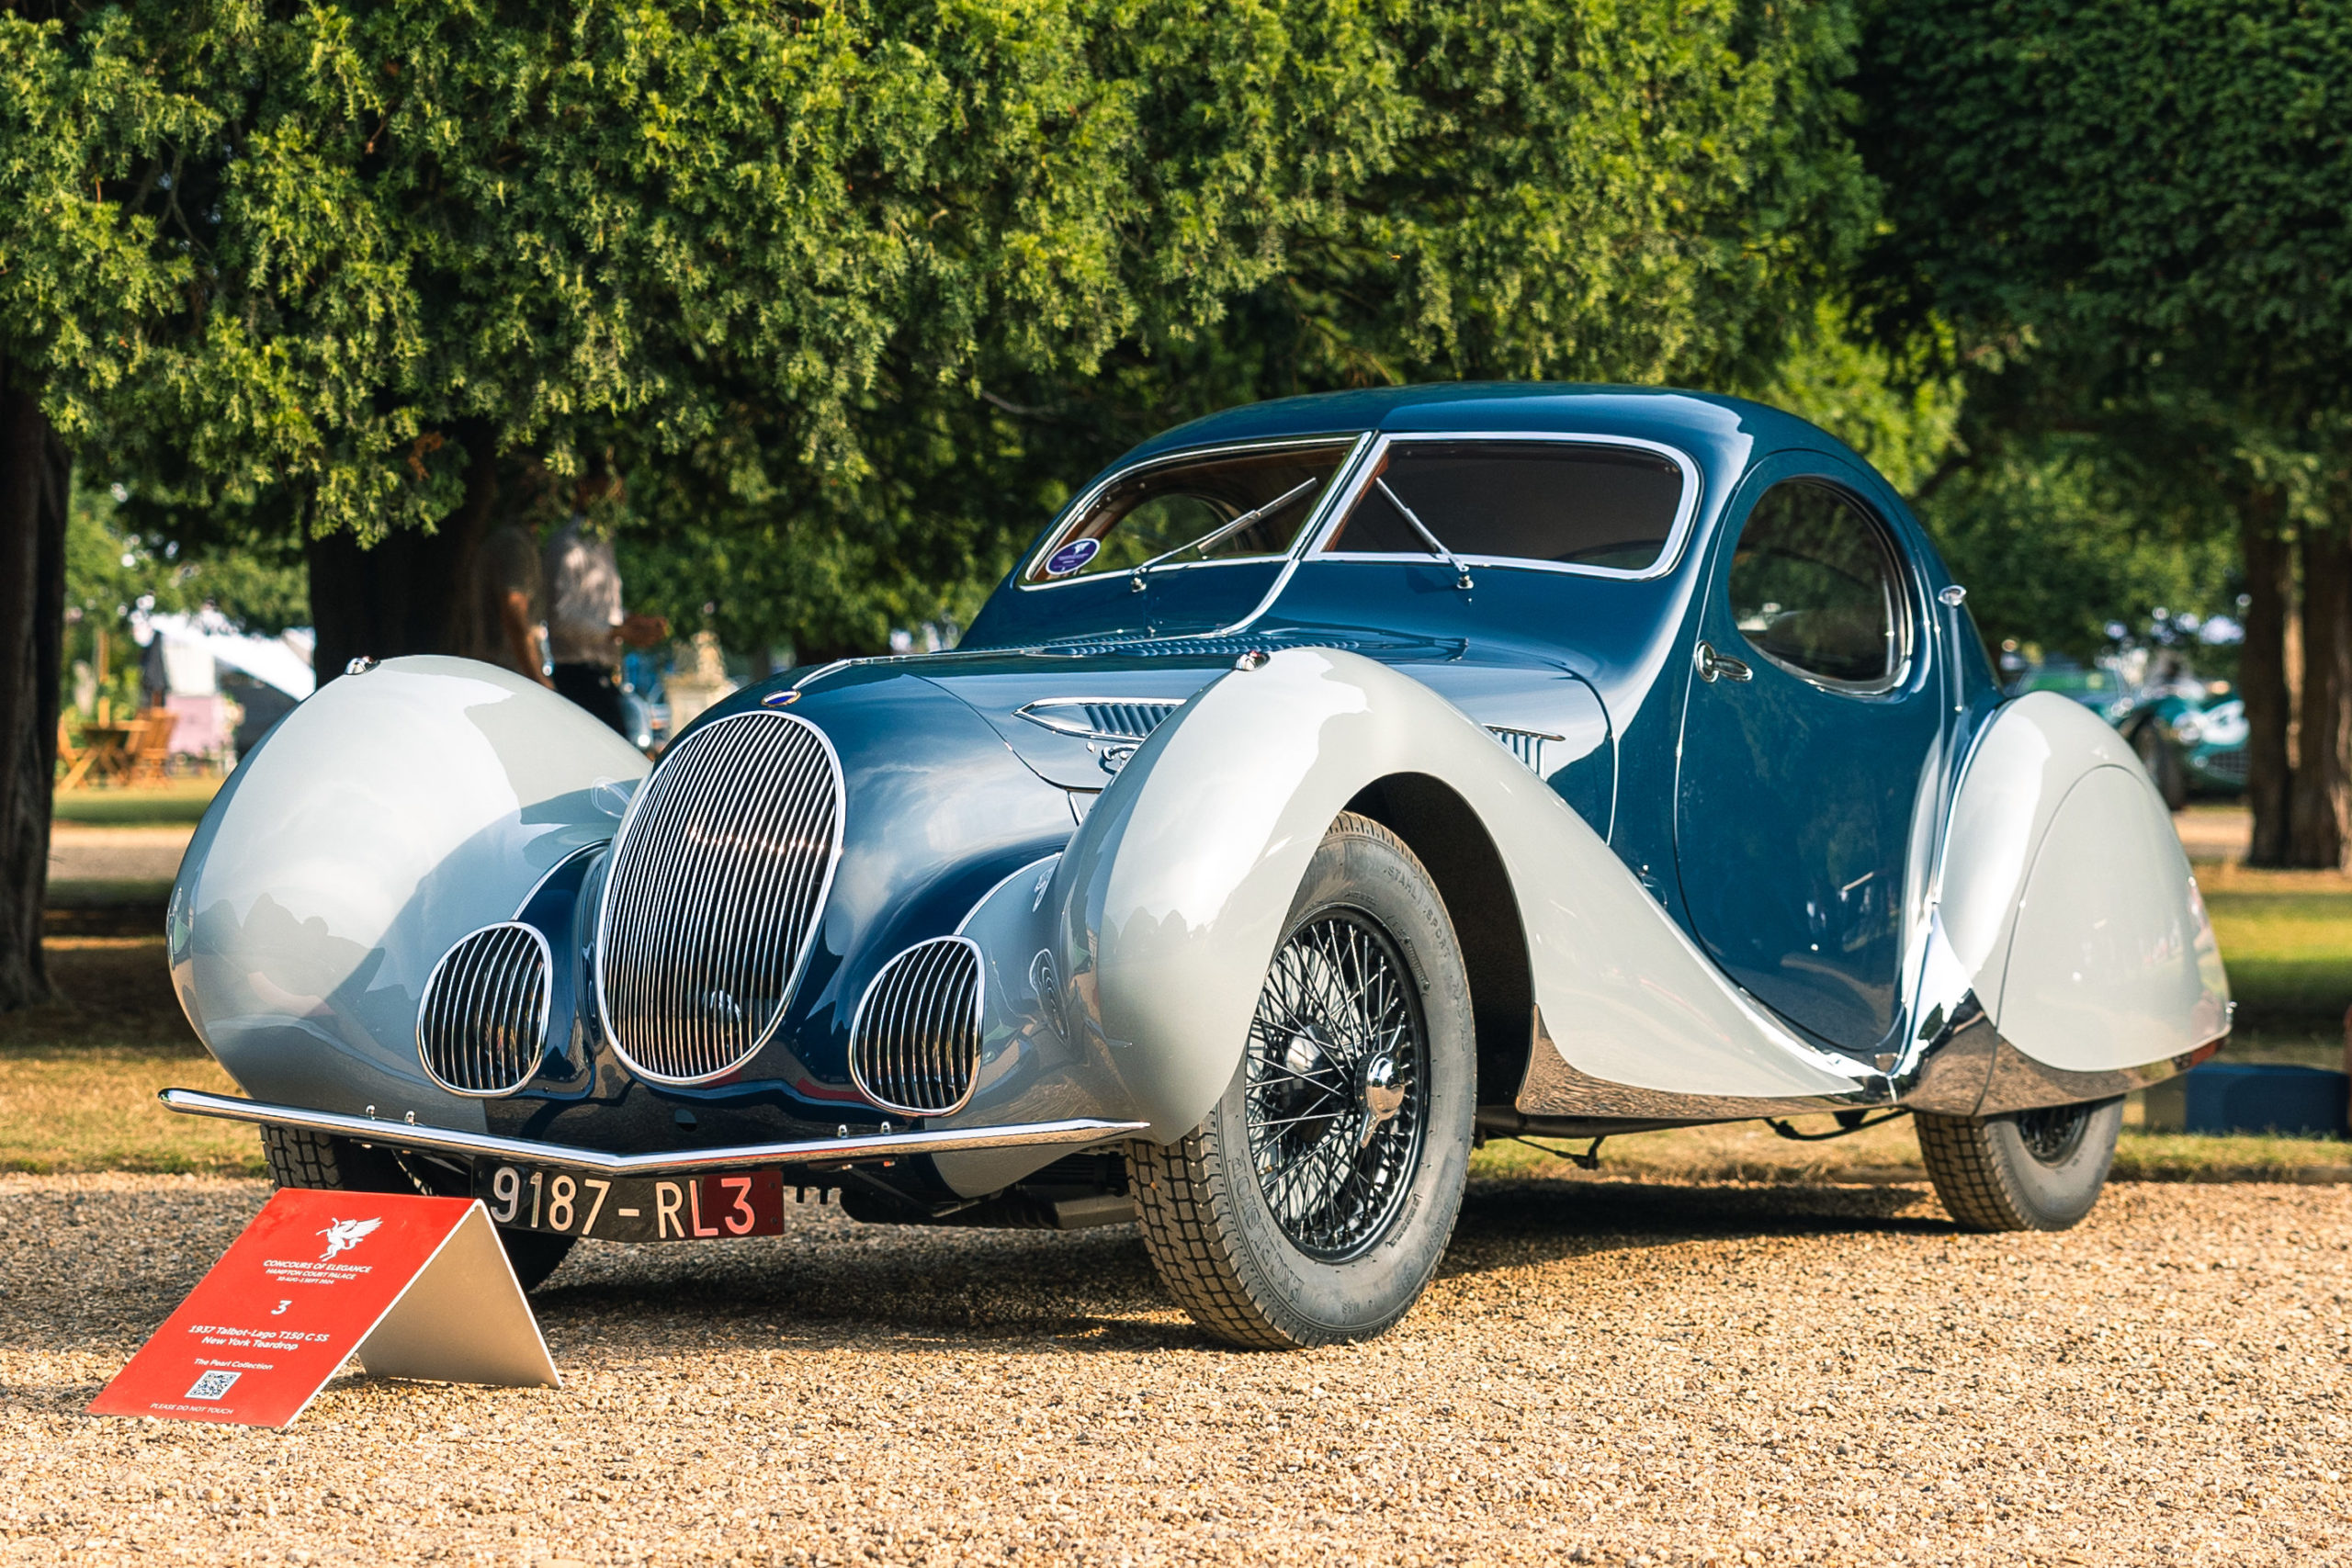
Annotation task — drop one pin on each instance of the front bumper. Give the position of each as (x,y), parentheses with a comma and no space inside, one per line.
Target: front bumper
(1077,1131)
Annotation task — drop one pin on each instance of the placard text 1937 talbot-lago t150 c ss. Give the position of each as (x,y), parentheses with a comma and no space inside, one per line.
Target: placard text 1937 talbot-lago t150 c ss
(1337,780)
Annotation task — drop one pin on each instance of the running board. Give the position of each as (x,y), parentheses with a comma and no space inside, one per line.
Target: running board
(442,1140)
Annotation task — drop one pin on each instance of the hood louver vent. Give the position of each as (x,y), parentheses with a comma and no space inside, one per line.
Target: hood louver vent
(1101,718)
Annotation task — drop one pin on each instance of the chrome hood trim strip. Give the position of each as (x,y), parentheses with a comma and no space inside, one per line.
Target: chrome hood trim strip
(442,1140)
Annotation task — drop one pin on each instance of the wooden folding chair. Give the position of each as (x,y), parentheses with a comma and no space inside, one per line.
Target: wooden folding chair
(151,747)
(75,759)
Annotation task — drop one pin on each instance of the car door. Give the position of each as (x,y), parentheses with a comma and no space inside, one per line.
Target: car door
(1812,713)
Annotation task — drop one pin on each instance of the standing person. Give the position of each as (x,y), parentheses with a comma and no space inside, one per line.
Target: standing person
(509,602)
(586,627)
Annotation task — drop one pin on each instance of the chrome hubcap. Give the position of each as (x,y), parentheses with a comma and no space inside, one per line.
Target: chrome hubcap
(1333,1090)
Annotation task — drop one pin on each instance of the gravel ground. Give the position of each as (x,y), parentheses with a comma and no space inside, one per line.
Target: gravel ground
(140,854)
(1603,1373)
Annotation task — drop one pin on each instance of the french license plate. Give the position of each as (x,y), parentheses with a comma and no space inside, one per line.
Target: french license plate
(632,1208)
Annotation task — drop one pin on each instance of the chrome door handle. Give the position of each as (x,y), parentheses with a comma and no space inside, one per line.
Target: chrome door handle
(1713,666)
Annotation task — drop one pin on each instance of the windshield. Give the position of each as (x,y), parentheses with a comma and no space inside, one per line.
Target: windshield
(1168,506)
(1607,507)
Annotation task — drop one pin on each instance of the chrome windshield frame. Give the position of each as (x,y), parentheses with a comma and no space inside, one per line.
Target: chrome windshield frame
(1351,448)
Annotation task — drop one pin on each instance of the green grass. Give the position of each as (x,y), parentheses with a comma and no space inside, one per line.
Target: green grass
(78,1078)
(156,806)
(2288,949)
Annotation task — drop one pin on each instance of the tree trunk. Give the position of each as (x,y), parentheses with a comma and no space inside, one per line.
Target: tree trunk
(35,480)
(2321,797)
(2262,676)
(412,592)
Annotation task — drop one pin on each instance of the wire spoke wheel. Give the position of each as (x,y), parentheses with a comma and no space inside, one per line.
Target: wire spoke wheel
(1334,1086)
(1312,1202)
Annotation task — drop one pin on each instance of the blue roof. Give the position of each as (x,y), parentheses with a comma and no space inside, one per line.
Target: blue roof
(1719,430)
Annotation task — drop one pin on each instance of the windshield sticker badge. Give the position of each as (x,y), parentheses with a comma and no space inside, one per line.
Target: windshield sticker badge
(1070,556)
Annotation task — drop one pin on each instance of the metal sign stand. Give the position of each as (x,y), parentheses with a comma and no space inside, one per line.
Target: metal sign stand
(415,1286)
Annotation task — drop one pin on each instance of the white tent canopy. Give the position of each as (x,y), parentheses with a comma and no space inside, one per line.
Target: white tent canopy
(194,646)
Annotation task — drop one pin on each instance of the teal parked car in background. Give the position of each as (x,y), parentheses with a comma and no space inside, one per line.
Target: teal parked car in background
(2191,737)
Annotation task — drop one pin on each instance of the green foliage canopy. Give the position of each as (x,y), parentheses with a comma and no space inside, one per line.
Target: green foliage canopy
(851,290)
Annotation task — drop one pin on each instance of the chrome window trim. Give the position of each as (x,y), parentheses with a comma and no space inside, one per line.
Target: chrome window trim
(1904,604)
(546,1003)
(1351,448)
(979,1021)
(1670,552)
(808,943)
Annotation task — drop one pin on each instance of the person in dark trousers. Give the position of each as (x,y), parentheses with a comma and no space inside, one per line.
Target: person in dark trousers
(586,627)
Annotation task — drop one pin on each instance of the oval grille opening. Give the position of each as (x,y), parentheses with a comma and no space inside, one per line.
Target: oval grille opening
(483,1027)
(915,1045)
(717,880)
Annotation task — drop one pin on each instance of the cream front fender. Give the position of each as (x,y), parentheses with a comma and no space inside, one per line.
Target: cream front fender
(1172,896)
(2069,906)
(383,818)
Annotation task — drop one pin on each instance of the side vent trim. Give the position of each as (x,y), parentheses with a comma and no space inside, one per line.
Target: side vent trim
(481,1027)
(915,1042)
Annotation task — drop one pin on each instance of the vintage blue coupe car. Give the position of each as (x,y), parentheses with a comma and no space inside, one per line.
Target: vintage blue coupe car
(1336,782)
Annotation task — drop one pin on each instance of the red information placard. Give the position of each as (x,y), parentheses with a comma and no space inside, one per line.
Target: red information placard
(414,1286)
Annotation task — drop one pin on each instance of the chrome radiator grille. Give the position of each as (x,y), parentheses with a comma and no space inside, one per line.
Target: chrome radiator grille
(482,1026)
(915,1044)
(717,882)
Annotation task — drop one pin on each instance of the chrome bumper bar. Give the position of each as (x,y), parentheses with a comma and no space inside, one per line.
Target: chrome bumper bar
(826,1151)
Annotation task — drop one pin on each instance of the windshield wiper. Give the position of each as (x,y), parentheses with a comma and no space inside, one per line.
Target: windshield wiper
(1437,545)
(1223,532)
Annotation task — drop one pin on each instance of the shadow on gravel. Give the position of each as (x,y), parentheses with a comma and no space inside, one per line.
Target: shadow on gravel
(82,1270)
(1512,1224)
(910,1288)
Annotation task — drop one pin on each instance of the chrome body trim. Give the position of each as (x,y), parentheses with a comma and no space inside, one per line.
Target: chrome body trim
(2020,1083)
(495,991)
(831,1151)
(1527,744)
(921,1029)
(1555,1090)
(1969,1070)
(1114,719)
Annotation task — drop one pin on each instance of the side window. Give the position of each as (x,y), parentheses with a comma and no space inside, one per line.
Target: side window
(1816,588)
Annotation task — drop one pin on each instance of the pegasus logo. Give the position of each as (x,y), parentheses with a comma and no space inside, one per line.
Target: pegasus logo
(344,1234)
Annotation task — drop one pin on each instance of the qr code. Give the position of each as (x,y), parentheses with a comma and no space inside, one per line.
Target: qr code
(213,1385)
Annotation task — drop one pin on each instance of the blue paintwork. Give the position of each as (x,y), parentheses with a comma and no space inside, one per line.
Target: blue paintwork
(1777,805)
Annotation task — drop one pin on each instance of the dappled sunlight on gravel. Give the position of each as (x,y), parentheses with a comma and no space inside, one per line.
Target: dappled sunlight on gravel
(1603,1372)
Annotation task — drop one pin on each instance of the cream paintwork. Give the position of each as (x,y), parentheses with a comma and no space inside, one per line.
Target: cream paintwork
(1171,897)
(2067,902)
(383,818)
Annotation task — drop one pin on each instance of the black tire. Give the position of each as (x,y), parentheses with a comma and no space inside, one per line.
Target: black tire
(2163,762)
(2030,1170)
(299,1158)
(1381,1156)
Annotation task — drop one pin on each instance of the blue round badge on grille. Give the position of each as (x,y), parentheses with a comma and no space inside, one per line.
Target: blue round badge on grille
(1070,556)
